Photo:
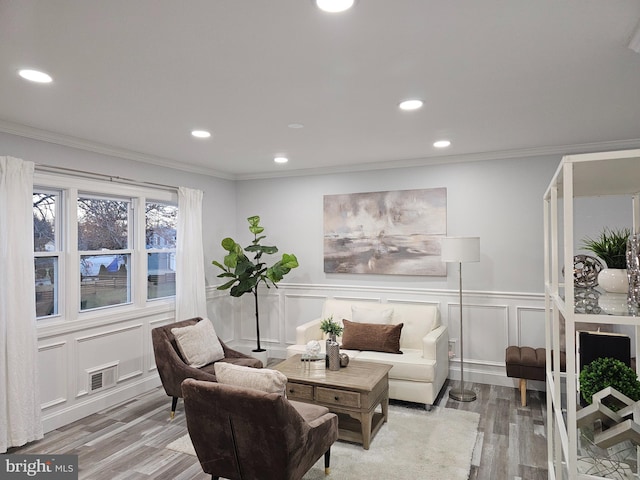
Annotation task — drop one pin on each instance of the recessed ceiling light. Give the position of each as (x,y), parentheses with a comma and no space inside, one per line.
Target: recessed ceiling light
(442,144)
(295,125)
(281,159)
(334,6)
(35,76)
(200,134)
(411,104)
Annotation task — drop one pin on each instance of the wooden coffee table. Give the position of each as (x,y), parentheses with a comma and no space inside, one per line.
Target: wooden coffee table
(353,393)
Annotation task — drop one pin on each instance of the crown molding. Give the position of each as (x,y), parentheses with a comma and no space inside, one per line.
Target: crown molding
(559,150)
(95,147)
(79,143)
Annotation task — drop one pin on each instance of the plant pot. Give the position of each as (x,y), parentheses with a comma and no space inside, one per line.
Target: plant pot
(614,280)
(261,355)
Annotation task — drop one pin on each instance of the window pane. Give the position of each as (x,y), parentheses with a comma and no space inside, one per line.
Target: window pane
(44,216)
(46,269)
(161,225)
(104,280)
(102,224)
(161,280)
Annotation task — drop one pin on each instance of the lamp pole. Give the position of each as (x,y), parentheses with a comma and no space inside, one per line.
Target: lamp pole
(461,394)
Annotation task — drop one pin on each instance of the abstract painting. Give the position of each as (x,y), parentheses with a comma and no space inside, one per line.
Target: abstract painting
(393,233)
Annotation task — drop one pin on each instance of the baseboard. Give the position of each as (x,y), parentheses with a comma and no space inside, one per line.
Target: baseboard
(95,403)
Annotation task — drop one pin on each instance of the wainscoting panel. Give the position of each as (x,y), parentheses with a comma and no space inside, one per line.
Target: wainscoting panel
(52,368)
(299,309)
(530,327)
(97,350)
(484,326)
(493,320)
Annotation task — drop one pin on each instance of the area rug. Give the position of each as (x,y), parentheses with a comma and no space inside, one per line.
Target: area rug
(413,444)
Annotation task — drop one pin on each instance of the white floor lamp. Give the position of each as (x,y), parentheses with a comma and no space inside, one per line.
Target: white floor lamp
(461,250)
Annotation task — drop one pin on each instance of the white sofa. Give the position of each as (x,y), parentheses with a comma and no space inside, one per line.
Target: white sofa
(419,373)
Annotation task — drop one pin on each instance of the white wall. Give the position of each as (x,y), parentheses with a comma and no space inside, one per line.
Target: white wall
(500,201)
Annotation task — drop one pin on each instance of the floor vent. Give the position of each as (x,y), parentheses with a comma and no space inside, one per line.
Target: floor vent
(102,378)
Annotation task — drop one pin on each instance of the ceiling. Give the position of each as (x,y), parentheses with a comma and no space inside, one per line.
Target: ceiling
(498,78)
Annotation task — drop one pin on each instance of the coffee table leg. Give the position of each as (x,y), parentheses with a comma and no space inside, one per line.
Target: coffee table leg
(365,421)
(385,408)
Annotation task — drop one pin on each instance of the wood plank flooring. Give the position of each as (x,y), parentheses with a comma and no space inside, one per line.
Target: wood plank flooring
(127,442)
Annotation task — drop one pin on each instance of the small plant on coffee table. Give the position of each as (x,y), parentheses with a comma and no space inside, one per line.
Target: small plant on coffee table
(331,328)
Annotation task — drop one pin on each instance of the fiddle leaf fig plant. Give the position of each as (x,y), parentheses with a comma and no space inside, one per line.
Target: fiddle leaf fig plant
(246,274)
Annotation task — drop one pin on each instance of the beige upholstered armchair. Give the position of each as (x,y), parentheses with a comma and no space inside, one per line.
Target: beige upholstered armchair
(242,433)
(172,367)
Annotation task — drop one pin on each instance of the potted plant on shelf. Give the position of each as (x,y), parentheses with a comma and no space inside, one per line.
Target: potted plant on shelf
(608,372)
(247,274)
(331,328)
(611,246)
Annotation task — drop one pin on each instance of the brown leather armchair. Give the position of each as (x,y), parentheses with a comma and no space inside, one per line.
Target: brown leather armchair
(245,434)
(172,367)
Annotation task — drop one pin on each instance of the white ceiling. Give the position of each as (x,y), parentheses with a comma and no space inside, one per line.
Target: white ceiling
(498,77)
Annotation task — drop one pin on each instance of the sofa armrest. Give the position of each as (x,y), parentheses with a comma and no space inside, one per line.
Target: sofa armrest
(308,331)
(435,346)
(432,342)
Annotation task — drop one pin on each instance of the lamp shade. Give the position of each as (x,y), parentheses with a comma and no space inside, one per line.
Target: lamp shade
(460,249)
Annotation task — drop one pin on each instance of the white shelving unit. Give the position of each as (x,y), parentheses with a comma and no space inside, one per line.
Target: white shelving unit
(587,175)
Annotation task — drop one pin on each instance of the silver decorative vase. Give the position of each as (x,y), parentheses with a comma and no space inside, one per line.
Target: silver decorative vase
(333,353)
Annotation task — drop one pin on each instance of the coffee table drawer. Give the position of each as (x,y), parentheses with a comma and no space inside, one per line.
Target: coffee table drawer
(298,390)
(337,397)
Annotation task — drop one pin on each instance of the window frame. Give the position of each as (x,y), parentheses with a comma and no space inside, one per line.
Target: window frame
(70,187)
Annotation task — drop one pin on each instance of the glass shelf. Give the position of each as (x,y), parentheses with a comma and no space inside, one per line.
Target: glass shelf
(593,301)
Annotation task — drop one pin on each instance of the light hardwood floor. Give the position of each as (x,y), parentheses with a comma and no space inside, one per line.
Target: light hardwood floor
(127,442)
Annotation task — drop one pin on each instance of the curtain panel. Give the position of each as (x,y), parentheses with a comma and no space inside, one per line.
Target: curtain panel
(20,409)
(190,285)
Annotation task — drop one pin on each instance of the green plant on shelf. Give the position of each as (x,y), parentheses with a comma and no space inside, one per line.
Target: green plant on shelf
(610,246)
(608,372)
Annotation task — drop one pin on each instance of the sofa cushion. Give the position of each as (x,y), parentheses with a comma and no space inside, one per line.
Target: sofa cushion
(198,343)
(369,336)
(368,315)
(264,379)
(409,366)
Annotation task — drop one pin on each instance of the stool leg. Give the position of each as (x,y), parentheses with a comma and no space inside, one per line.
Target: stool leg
(523,392)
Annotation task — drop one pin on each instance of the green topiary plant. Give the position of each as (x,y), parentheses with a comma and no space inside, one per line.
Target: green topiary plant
(610,246)
(330,327)
(609,372)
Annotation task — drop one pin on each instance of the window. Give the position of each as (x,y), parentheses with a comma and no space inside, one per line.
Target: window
(117,251)
(105,257)
(160,235)
(47,248)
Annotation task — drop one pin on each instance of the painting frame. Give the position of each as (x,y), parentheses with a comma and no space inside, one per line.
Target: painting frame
(396,232)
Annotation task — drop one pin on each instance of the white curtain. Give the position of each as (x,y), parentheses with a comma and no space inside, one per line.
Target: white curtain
(190,288)
(20,411)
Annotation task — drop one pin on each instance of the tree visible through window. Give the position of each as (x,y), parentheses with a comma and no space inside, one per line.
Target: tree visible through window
(105,260)
(46,252)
